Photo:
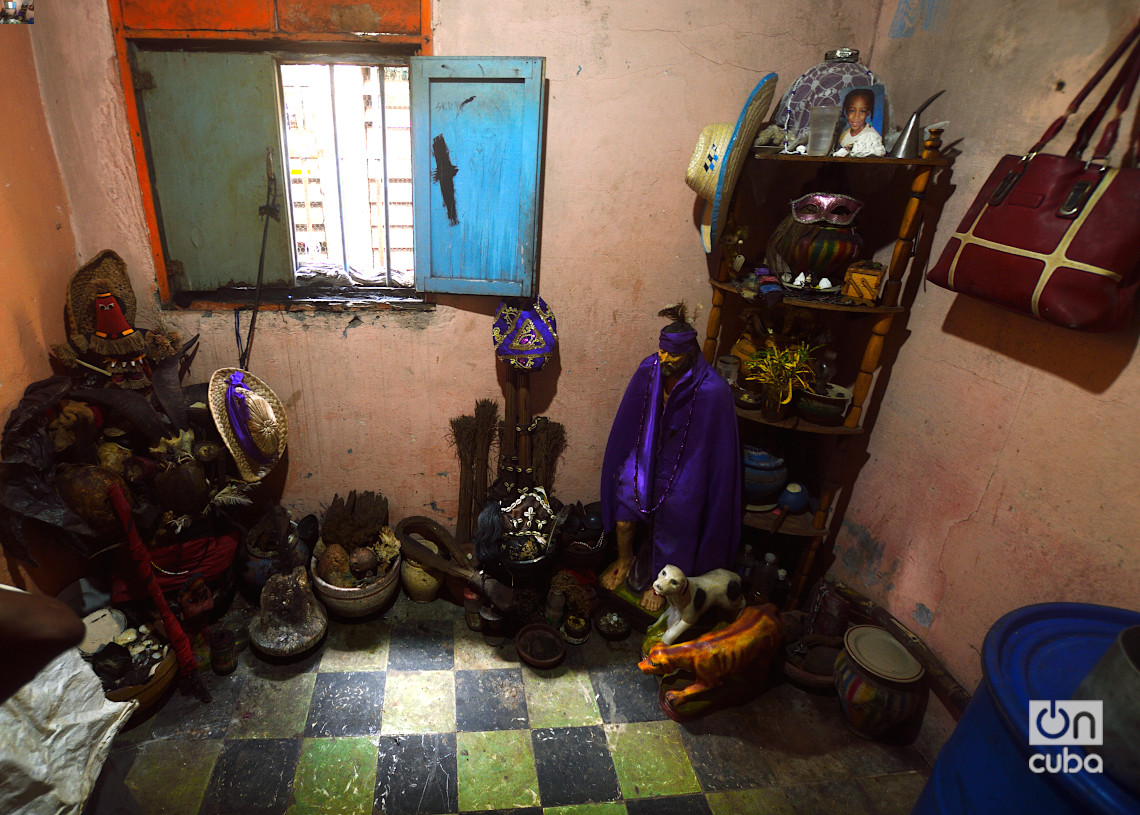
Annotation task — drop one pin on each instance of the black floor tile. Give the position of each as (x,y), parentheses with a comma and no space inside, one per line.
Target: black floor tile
(626,695)
(346,704)
(490,700)
(416,775)
(574,766)
(416,645)
(670,805)
(724,753)
(830,797)
(185,716)
(253,777)
(265,666)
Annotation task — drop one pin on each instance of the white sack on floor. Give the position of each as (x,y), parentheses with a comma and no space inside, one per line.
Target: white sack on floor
(55,733)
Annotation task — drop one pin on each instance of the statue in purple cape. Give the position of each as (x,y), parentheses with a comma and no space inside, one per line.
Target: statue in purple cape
(672,464)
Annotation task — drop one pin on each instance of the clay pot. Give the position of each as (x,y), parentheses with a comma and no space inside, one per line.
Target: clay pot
(361,601)
(879,683)
(422,585)
(825,409)
(764,476)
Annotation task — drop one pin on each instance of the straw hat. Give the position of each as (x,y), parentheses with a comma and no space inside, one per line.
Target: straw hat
(258,440)
(719,158)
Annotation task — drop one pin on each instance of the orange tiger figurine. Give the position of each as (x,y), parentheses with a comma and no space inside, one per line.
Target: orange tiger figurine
(749,642)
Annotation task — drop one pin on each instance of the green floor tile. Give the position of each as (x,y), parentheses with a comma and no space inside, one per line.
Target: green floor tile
(334,777)
(791,770)
(418,702)
(352,647)
(606,808)
(650,760)
(755,802)
(169,777)
(474,653)
(440,608)
(560,698)
(896,793)
(272,707)
(496,770)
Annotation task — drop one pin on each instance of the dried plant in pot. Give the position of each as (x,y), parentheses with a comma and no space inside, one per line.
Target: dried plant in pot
(778,371)
(356,560)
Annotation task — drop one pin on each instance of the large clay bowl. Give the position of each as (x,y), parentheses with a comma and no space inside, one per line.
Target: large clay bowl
(357,602)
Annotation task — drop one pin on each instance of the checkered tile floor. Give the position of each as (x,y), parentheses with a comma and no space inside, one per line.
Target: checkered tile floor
(415,713)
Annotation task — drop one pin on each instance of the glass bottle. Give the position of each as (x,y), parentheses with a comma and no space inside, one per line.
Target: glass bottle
(766,579)
(746,568)
(782,590)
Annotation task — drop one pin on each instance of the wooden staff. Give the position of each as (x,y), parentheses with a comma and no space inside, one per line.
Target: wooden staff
(511,436)
(523,418)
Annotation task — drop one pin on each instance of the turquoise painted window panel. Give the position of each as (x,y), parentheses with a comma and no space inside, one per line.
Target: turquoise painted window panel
(209,119)
(477,125)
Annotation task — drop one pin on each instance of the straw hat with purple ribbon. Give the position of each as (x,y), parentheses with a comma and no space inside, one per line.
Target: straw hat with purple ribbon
(719,157)
(251,420)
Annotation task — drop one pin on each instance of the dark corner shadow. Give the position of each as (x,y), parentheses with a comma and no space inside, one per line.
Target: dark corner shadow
(853,455)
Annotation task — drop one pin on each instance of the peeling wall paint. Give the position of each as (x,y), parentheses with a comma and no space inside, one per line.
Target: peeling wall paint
(617,232)
(984,486)
(37,250)
(979,494)
(918,15)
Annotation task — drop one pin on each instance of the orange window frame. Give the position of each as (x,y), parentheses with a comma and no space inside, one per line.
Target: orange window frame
(245,21)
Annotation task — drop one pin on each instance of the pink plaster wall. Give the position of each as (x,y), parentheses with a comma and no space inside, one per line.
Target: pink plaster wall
(370,395)
(1003,463)
(37,249)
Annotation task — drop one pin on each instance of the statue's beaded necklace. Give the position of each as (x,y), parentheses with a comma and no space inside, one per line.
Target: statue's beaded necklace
(641,439)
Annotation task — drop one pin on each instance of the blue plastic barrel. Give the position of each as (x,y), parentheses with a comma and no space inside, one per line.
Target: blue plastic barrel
(1039,652)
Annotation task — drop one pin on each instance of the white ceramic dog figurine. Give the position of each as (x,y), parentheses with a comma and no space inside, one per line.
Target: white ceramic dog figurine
(690,597)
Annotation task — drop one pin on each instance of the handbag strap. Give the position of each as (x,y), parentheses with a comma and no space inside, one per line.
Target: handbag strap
(1121,88)
(1132,154)
(1055,128)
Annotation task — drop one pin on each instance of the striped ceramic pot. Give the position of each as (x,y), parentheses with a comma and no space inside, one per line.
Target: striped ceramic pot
(880,684)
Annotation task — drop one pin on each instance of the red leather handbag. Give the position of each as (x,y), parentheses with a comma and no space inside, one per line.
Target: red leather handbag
(1054,236)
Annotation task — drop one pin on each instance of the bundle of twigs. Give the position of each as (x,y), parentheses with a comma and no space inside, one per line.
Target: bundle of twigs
(486,423)
(463,437)
(356,521)
(549,443)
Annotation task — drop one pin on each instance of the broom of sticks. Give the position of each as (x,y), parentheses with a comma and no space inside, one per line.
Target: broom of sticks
(463,437)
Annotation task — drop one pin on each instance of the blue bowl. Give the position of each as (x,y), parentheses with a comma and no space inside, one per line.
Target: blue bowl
(794,498)
(756,458)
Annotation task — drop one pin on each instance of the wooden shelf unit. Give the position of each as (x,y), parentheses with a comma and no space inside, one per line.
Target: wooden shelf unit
(814,527)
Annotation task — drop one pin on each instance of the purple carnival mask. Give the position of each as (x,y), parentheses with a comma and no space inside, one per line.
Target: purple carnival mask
(829,207)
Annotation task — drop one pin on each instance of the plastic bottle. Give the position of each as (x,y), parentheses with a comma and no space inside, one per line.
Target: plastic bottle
(746,568)
(766,579)
(782,590)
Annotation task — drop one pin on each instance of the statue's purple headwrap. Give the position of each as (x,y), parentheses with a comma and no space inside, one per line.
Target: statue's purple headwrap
(675,463)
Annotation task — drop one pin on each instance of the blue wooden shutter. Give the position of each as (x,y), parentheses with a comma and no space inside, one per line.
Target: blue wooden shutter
(477,125)
(210,118)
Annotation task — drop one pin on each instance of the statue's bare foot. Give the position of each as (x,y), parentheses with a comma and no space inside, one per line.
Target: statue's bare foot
(651,600)
(616,574)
